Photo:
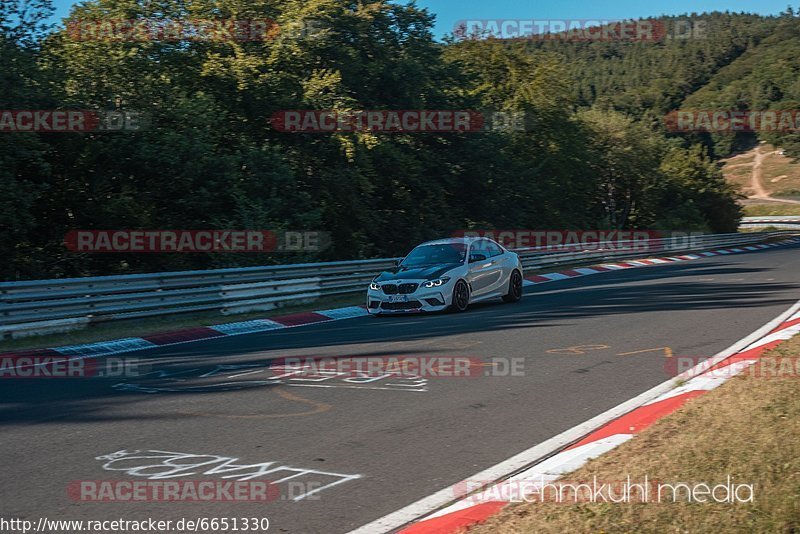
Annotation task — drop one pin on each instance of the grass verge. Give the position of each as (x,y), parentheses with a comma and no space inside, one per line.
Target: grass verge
(749,429)
(773,208)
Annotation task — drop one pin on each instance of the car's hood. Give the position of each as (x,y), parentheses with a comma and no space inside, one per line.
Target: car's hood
(421,273)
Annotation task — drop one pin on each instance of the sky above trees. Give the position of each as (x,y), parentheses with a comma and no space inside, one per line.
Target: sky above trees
(449,12)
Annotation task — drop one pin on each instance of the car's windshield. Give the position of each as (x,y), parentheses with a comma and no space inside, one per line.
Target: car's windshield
(435,254)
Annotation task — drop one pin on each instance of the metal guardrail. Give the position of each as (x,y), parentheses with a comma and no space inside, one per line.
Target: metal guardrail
(44,306)
(770,221)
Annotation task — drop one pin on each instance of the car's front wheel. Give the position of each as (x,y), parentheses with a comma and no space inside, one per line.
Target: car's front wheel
(460,297)
(514,288)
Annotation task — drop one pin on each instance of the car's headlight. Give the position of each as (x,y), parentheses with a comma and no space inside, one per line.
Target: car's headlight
(374,287)
(436,283)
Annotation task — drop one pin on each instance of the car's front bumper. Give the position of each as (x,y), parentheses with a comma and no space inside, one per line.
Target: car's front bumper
(422,300)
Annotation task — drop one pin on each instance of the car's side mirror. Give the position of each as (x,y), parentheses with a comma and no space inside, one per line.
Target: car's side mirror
(475,258)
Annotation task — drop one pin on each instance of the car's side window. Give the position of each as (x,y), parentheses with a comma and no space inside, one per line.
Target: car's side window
(479,247)
(473,249)
(492,249)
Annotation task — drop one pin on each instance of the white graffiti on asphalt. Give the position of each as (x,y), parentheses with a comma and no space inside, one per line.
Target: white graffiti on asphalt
(304,375)
(158,465)
(230,378)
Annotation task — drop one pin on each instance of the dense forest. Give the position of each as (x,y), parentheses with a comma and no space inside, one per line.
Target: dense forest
(595,154)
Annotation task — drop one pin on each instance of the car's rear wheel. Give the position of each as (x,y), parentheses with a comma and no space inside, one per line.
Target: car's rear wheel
(460,297)
(514,288)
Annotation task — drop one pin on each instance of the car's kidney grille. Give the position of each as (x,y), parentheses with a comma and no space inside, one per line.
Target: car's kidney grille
(406,289)
(389,289)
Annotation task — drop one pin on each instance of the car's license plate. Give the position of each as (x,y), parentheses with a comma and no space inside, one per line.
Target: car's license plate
(398,298)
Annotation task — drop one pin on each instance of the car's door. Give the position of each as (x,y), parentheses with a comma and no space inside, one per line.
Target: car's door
(484,271)
(500,267)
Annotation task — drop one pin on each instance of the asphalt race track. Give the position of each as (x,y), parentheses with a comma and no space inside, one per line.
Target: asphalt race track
(370,448)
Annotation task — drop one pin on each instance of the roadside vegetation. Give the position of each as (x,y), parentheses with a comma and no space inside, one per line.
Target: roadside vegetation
(595,153)
(748,429)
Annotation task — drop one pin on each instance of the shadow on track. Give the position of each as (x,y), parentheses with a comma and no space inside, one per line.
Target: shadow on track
(679,287)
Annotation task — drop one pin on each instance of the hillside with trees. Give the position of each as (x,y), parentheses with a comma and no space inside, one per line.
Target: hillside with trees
(595,153)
